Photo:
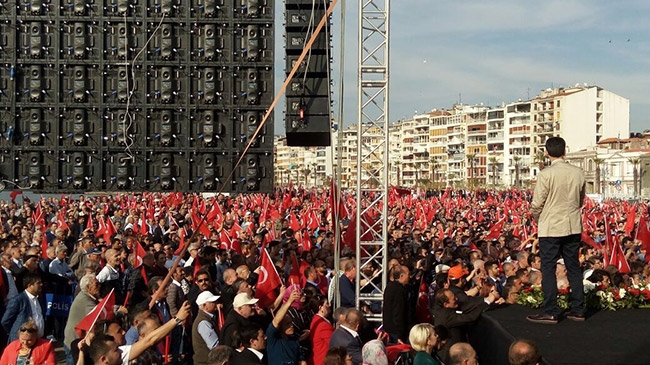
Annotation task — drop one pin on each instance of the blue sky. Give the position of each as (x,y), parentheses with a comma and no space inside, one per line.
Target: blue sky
(499,50)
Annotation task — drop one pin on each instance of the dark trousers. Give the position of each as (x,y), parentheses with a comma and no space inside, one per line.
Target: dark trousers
(551,249)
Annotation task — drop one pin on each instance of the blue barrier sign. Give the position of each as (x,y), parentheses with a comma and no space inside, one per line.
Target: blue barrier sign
(58,305)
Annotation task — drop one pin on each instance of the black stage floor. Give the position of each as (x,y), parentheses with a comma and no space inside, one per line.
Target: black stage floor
(606,337)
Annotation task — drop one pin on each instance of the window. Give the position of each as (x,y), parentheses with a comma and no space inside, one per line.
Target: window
(557,104)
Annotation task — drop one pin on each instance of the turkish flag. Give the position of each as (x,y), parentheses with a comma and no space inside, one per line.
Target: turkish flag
(215,217)
(181,234)
(44,246)
(102,311)
(293,222)
(89,223)
(109,231)
(101,227)
(643,234)
(268,281)
(618,259)
(306,241)
(144,228)
(139,254)
(588,240)
(629,221)
(495,230)
(60,218)
(14,194)
(37,216)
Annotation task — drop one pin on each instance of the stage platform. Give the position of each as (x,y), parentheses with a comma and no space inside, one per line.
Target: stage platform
(606,337)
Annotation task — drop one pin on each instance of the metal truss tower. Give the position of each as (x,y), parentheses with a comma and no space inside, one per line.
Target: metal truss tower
(372,154)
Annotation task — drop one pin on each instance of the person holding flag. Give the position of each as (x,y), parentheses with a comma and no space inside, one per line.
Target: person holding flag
(205,327)
(558,198)
(84,302)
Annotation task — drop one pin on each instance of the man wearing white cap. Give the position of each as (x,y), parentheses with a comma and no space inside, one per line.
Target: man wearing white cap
(243,310)
(204,329)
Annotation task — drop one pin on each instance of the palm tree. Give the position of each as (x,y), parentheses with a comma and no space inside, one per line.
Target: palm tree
(306,171)
(540,159)
(635,163)
(494,161)
(470,159)
(417,166)
(434,165)
(598,162)
(516,159)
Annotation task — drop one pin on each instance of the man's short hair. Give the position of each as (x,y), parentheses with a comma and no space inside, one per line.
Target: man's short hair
(349,265)
(30,278)
(308,271)
(136,310)
(353,318)
(441,297)
(102,326)
(555,146)
(340,311)
(85,281)
(248,333)
(220,355)
(523,352)
(100,347)
(397,271)
(459,352)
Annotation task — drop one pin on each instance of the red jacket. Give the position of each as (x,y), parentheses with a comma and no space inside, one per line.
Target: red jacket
(320,332)
(42,353)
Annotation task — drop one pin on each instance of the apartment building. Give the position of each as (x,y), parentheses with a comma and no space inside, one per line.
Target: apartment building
(473,145)
(616,168)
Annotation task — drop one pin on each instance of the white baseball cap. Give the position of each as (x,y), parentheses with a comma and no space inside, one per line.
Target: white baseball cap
(243,299)
(442,268)
(206,297)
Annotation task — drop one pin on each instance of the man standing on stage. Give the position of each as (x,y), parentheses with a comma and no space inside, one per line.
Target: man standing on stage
(559,195)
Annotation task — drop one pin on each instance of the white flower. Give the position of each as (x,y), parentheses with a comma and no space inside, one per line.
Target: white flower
(621,293)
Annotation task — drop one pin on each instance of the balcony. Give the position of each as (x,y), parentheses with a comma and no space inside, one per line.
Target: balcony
(476,132)
(492,135)
(476,142)
(492,126)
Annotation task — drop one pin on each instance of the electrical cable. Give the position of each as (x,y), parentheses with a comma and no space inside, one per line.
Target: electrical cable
(127,141)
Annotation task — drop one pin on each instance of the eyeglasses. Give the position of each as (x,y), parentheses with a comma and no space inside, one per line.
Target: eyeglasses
(28,330)
(202,280)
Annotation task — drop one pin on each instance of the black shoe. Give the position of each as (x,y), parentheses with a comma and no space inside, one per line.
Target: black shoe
(543,318)
(575,317)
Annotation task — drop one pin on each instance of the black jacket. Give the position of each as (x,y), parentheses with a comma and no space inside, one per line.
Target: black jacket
(396,310)
(246,357)
(343,338)
(234,321)
(457,323)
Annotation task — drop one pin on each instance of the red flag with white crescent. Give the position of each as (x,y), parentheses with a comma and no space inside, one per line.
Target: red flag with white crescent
(102,311)
(268,281)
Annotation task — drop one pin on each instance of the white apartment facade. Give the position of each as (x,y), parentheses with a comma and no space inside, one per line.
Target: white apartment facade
(472,145)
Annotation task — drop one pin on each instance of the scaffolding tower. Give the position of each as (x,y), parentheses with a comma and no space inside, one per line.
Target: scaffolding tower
(372,155)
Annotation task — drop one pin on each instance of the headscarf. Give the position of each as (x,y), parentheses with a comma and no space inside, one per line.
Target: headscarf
(297,304)
(374,353)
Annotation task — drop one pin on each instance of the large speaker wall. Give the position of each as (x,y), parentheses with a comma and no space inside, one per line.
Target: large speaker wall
(308,105)
(136,95)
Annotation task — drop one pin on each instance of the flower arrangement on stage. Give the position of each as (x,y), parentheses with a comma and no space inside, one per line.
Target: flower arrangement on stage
(596,297)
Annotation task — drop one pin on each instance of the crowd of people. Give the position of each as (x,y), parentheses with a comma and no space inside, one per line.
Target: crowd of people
(184,272)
